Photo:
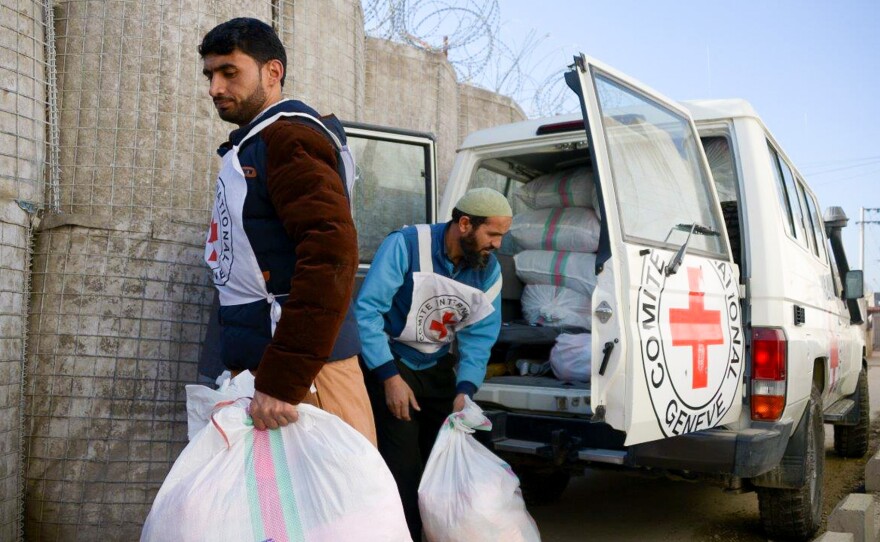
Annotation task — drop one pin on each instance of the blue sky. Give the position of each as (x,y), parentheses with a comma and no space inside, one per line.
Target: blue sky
(811,70)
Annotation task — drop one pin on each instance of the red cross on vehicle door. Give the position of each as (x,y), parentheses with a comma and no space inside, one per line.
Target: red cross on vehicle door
(696,327)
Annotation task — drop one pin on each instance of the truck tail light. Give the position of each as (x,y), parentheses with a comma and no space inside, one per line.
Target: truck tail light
(568,126)
(769,347)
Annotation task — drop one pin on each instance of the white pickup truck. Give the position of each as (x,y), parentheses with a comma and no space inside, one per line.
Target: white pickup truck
(724,331)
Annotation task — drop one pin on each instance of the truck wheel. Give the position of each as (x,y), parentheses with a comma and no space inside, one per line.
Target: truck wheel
(542,486)
(852,440)
(795,514)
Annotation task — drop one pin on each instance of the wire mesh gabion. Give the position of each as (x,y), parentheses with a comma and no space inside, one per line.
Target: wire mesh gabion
(117,335)
(23,129)
(137,129)
(120,294)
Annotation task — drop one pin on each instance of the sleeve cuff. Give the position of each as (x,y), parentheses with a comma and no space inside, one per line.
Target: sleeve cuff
(385,371)
(468,388)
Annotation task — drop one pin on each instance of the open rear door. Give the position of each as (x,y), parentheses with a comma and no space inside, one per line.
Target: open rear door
(667,330)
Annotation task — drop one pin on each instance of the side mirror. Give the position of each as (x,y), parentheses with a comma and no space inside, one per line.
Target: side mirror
(855,284)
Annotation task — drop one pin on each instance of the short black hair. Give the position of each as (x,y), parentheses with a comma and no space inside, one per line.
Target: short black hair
(476,221)
(252,37)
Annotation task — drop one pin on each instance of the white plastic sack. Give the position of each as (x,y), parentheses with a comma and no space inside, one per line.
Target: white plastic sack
(575,270)
(558,228)
(556,306)
(572,187)
(200,400)
(469,493)
(571,357)
(314,480)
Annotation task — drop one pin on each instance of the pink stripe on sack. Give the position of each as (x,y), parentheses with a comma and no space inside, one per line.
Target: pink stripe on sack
(267,489)
(561,188)
(557,268)
(550,229)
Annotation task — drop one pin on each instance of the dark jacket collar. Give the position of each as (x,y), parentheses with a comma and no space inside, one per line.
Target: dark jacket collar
(287,105)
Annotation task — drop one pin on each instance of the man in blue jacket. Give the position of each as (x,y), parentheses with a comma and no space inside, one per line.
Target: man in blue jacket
(427,285)
(282,246)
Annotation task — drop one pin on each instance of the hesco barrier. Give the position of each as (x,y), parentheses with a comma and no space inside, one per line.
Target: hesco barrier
(113,328)
(120,292)
(24,104)
(120,313)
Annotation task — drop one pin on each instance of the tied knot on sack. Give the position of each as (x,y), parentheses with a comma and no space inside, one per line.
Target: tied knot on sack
(469,419)
(241,401)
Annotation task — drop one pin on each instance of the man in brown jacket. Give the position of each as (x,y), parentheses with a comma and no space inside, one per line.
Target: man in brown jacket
(282,245)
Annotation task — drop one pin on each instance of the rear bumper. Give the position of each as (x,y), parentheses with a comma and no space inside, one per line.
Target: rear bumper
(744,453)
(560,441)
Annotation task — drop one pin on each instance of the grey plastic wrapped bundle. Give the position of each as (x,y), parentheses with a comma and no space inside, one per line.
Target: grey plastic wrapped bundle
(571,357)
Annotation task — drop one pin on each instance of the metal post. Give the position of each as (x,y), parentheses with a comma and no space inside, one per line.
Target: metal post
(862,240)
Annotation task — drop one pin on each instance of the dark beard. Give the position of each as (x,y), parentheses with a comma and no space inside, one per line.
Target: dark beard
(247,109)
(472,257)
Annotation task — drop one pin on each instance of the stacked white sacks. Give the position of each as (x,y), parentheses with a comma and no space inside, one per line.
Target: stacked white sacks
(557,238)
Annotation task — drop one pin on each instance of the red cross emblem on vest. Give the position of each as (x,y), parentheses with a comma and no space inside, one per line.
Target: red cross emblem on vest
(442,327)
(696,327)
(212,239)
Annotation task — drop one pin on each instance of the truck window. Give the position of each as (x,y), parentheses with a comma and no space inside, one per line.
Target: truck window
(788,194)
(832,263)
(780,189)
(808,219)
(485,178)
(722,166)
(818,226)
(390,190)
(657,173)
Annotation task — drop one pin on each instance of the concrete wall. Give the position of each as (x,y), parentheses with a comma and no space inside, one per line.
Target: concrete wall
(413,89)
(325,48)
(479,108)
(23,90)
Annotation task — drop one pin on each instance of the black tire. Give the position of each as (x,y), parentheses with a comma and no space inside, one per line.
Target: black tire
(730,209)
(852,440)
(541,486)
(795,514)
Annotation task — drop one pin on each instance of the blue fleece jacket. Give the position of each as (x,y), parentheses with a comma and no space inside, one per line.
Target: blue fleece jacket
(386,295)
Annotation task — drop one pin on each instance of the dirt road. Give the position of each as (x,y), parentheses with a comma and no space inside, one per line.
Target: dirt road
(622,507)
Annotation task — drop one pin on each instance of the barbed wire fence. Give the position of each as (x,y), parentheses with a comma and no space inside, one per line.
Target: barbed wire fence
(469,33)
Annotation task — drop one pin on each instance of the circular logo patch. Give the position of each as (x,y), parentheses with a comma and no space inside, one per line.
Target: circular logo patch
(218,247)
(690,334)
(438,317)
